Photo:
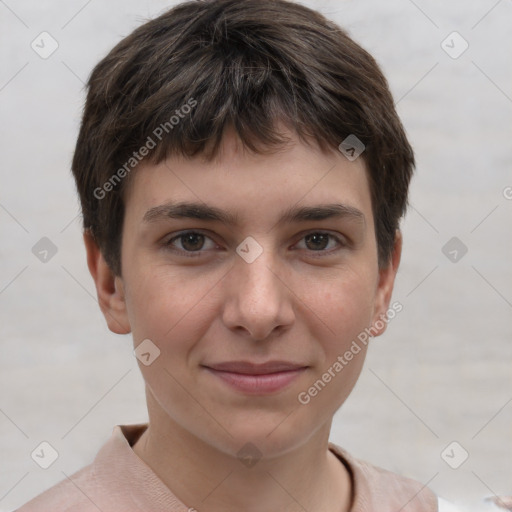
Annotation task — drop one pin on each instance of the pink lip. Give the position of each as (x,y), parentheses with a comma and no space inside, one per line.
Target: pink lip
(256,379)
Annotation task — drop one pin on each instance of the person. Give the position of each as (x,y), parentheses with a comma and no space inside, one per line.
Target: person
(242,173)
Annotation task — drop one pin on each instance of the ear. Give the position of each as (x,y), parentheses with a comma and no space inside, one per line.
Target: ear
(385,288)
(109,288)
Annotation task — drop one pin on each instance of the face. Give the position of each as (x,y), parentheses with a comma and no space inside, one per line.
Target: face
(276,263)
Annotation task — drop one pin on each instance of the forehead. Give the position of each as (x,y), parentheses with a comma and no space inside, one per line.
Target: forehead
(240,185)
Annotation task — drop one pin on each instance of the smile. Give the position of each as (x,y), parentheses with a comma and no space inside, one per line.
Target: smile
(257,383)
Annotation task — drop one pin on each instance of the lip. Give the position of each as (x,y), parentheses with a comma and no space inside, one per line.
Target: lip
(257,379)
(249,368)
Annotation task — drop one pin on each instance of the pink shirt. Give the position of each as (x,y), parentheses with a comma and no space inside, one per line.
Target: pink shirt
(119,481)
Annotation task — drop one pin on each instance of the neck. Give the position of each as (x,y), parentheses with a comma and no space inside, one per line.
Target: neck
(309,477)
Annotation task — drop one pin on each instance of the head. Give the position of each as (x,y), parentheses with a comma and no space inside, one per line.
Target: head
(241,106)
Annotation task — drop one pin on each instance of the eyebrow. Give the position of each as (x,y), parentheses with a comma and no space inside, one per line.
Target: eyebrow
(202,211)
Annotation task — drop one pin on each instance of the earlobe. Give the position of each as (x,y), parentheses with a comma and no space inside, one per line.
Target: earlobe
(109,288)
(385,288)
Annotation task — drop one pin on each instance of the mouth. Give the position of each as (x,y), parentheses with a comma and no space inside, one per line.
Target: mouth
(256,379)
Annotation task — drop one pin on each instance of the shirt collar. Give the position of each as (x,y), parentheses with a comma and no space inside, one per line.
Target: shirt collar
(371,486)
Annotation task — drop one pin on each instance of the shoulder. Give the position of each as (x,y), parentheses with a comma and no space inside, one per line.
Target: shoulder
(69,495)
(376,488)
(117,479)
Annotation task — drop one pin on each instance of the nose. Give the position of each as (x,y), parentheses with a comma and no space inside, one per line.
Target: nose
(258,297)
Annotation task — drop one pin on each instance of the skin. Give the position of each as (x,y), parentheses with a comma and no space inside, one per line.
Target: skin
(301,300)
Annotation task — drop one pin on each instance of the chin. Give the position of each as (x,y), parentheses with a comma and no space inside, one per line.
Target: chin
(269,438)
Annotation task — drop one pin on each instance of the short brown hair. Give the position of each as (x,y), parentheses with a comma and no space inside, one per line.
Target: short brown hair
(247,64)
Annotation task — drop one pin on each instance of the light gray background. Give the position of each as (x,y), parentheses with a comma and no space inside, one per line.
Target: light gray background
(441,373)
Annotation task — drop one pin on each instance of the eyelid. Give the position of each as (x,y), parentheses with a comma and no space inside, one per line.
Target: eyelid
(340,239)
(166,242)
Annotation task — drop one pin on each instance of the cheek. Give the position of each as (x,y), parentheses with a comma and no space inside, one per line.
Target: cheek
(169,307)
(345,306)
(172,309)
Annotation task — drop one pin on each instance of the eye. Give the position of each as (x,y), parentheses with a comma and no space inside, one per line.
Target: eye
(191,243)
(318,241)
(194,243)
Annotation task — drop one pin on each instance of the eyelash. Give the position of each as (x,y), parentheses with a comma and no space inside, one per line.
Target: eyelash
(195,254)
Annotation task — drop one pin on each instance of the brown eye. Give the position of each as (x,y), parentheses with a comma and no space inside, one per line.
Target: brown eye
(317,241)
(322,243)
(190,243)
